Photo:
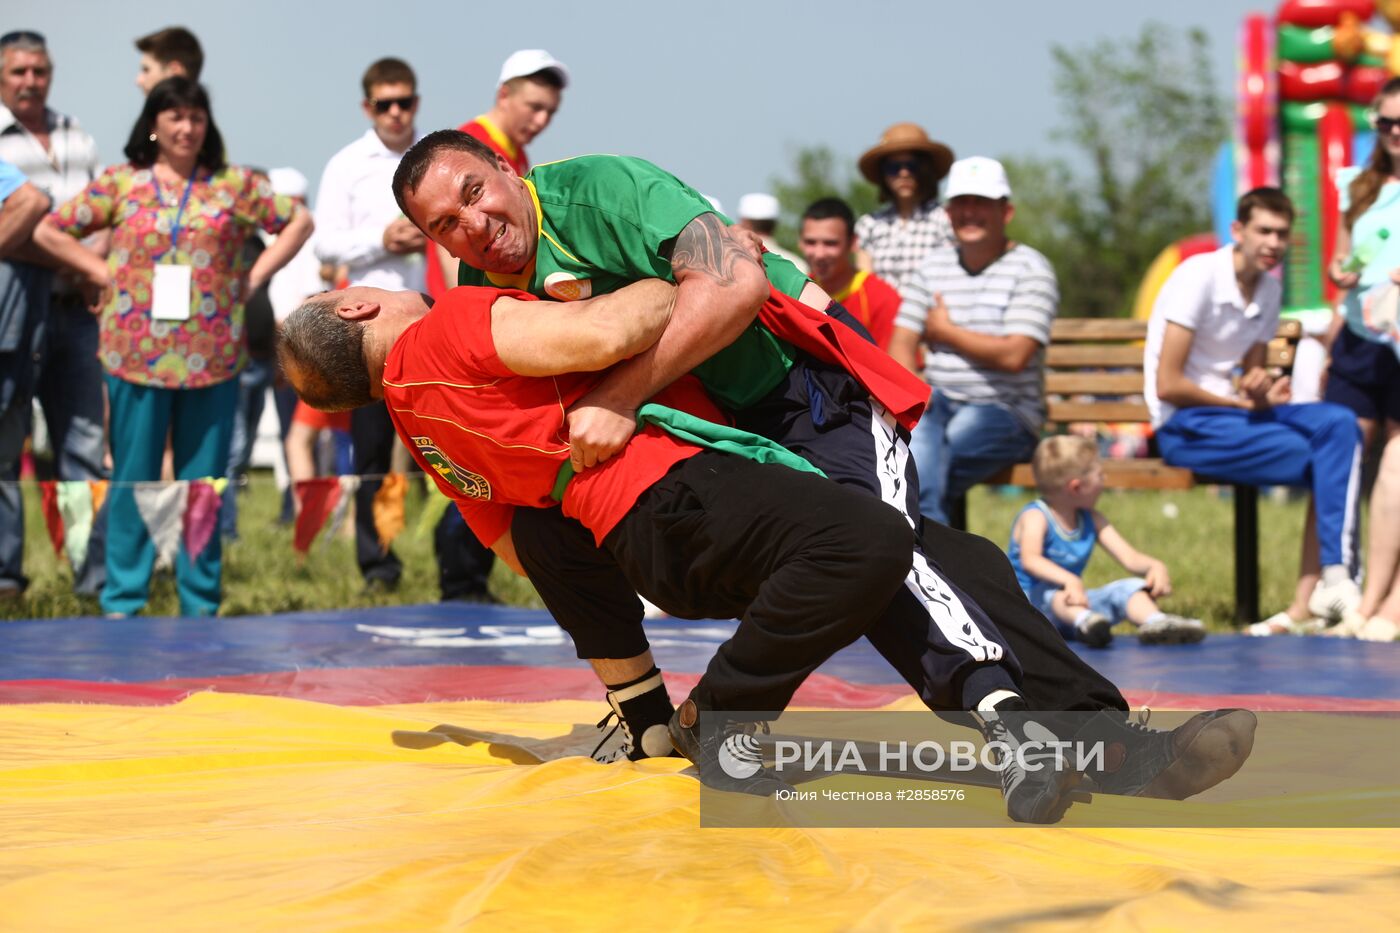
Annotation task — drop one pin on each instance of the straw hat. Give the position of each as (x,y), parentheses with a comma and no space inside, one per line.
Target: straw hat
(905,137)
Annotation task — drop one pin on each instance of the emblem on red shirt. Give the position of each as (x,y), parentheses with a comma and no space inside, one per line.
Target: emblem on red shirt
(472,485)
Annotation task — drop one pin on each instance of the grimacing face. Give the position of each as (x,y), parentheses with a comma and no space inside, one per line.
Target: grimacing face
(479,212)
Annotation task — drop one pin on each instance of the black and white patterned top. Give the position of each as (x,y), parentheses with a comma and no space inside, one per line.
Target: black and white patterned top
(896,245)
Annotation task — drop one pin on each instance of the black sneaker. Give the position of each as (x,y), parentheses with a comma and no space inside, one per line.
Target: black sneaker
(1036,780)
(1144,762)
(618,743)
(1095,631)
(724,753)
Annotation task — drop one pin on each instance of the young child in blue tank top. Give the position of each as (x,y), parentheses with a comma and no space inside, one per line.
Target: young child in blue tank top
(1053,538)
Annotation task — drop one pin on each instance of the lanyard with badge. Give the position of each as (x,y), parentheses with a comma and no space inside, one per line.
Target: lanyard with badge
(170,293)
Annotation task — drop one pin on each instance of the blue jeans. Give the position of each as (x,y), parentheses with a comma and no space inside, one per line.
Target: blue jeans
(1109,601)
(253,384)
(1317,445)
(958,444)
(70,392)
(24,298)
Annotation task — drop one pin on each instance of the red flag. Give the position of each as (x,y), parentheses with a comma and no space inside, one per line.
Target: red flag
(318,498)
(48,496)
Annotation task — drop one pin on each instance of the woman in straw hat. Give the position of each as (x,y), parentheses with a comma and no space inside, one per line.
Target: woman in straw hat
(906,166)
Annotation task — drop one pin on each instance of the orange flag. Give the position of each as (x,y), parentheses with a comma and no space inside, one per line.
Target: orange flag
(99,494)
(388,508)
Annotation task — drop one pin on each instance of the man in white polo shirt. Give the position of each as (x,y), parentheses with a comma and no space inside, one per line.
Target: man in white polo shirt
(983,308)
(1216,409)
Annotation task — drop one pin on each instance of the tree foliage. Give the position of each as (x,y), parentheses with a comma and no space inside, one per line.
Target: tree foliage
(1145,120)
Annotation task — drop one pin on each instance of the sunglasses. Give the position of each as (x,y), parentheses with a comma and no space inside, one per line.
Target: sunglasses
(22,35)
(1386,125)
(384,105)
(892,167)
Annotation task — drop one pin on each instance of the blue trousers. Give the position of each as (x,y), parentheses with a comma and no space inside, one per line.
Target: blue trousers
(200,424)
(1317,445)
(958,444)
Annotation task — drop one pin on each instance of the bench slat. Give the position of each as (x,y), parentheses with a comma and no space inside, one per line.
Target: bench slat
(1070,356)
(1093,383)
(1063,411)
(1142,473)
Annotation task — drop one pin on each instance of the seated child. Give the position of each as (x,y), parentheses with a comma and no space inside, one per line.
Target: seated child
(1053,538)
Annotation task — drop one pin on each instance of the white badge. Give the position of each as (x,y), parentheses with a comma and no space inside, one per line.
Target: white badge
(170,295)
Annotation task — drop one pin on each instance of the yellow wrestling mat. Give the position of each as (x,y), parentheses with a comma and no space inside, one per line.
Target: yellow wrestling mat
(231,812)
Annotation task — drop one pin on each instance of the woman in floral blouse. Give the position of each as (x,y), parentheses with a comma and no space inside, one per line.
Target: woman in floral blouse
(172,337)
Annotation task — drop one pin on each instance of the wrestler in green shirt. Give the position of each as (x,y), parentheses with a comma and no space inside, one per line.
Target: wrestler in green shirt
(606,221)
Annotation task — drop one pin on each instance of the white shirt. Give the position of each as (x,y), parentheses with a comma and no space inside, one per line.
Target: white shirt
(61,171)
(353,206)
(298,280)
(1203,296)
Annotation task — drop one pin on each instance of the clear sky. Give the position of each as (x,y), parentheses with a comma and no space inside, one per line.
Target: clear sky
(720,93)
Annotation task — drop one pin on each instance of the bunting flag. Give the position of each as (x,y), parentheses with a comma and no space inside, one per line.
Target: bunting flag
(48,497)
(434,504)
(202,514)
(317,498)
(161,507)
(388,509)
(348,486)
(75,506)
(99,489)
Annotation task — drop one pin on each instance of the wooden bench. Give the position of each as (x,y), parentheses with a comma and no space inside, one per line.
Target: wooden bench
(1093,374)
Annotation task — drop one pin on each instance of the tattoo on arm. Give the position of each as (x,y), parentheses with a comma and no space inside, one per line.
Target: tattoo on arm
(706,247)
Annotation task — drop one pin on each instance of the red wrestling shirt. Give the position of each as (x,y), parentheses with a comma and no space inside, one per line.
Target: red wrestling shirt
(494,440)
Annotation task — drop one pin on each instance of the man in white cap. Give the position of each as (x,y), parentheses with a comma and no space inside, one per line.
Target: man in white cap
(528,94)
(982,307)
(759,212)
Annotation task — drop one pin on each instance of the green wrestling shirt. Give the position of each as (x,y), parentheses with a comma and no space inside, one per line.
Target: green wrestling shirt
(606,221)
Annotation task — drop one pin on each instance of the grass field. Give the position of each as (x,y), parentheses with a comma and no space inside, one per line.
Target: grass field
(262,575)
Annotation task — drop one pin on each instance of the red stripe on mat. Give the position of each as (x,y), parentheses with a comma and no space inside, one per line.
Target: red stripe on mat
(378,686)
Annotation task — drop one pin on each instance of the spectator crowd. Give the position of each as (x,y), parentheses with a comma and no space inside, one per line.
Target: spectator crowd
(140,303)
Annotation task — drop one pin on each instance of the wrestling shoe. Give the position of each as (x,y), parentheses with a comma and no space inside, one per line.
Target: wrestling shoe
(1168,629)
(1140,761)
(620,742)
(1334,600)
(724,753)
(1036,780)
(1095,630)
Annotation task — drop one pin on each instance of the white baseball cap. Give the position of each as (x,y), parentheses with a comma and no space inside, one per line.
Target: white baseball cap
(980,176)
(288,181)
(758,206)
(529,61)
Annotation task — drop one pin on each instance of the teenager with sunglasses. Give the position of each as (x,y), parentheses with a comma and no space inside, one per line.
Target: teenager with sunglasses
(906,166)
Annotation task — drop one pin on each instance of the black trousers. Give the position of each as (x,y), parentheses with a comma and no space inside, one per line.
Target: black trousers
(804,564)
(818,413)
(372,434)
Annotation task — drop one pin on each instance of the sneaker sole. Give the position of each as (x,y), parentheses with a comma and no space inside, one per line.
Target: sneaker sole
(1179,636)
(1222,743)
(1052,803)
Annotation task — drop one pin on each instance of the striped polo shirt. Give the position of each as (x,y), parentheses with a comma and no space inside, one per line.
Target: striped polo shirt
(1016,294)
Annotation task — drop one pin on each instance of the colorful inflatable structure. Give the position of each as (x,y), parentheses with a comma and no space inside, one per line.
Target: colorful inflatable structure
(1306,77)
